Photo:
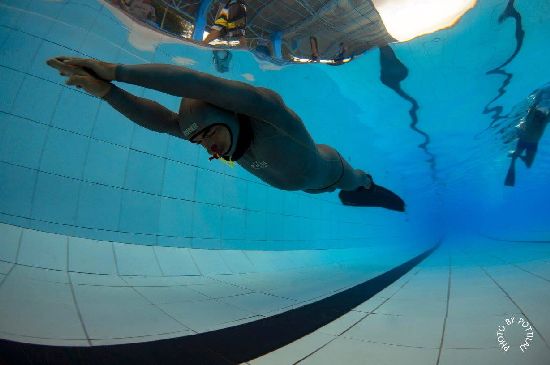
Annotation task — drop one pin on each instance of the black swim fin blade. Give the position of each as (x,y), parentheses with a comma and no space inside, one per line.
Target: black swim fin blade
(511,174)
(376,196)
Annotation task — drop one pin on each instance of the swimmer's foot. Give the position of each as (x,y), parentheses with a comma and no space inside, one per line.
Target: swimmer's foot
(374,196)
(369,182)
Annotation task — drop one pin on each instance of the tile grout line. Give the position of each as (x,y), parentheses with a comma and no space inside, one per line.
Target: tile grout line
(507,295)
(532,273)
(16,258)
(521,268)
(33,220)
(75,301)
(161,190)
(115,259)
(124,184)
(85,165)
(194,261)
(158,307)
(158,261)
(517,306)
(367,315)
(446,312)
(40,160)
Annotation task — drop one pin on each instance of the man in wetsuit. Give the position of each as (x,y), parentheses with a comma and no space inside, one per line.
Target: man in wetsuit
(529,131)
(234,121)
(531,128)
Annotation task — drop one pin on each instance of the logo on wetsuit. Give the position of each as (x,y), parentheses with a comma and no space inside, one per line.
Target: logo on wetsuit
(193,127)
(259,165)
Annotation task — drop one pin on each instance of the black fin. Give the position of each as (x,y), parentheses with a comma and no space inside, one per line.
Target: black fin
(376,196)
(511,174)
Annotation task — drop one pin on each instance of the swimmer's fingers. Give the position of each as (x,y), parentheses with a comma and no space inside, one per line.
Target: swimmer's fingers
(82,62)
(57,64)
(78,80)
(63,68)
(92,85)
(103,70)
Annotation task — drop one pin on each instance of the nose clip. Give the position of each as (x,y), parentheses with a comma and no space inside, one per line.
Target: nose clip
(214,156)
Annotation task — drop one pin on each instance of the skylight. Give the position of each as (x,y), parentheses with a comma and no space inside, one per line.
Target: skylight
(408,19)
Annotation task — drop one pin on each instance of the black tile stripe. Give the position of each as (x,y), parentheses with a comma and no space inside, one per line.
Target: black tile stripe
(231,345)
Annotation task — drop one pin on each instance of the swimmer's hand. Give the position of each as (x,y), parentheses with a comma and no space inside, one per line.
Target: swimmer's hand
(80,77)
(64,69)
(100,69)
(90,84)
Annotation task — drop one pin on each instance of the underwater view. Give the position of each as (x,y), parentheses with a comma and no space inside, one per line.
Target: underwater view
(275,182)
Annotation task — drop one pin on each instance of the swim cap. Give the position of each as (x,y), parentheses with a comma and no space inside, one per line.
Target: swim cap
(199,115)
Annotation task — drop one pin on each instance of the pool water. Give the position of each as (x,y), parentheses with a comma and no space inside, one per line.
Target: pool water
(122,235)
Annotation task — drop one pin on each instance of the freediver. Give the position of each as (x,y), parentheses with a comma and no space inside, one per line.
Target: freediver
(529,131)
(233,121)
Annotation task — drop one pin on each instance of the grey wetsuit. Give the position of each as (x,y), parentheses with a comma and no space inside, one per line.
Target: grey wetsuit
(281,153)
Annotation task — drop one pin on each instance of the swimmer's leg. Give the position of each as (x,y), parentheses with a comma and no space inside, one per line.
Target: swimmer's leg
(358,189)
(353,179)
(529,157)
(520,147)
(350,178)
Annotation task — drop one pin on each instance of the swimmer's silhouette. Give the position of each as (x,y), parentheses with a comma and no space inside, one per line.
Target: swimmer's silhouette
(529,131)
(233,121)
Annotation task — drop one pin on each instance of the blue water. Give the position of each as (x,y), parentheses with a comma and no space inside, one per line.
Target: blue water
(71,165)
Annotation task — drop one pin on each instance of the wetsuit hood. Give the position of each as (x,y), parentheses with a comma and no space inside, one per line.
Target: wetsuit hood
(199,115)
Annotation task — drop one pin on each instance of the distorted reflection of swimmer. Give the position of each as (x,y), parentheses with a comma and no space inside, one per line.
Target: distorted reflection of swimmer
(529,131)
(221,59)
(233,121)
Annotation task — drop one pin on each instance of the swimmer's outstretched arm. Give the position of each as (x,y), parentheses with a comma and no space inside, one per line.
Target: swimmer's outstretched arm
(145,112)
(234,96)
(183,82)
